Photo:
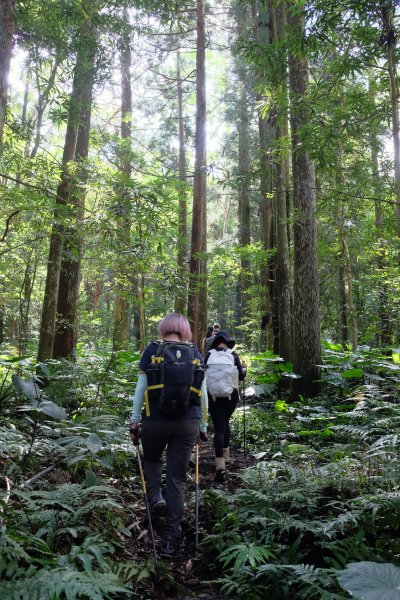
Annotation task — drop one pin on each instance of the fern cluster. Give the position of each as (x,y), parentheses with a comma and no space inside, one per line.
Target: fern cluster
(61,532)
(324,491)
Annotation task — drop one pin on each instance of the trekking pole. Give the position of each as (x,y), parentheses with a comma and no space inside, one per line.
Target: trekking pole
(244,366)
(146,501)
(244,417)
(197,495)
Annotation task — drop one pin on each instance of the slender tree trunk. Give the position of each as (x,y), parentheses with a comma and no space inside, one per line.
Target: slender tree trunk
(347,274)
(49,308)
(181,294)
(344,257)
(121,303)
(307,348)
(243,168)
(142,313)
(203,292)
(387,14)
(283,275)
(70,270)
(343,327)
(7,26)
(261,17)
(384,337)
(195,307)
(24,304)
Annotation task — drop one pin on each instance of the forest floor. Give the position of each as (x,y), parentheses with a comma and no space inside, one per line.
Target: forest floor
(187,572)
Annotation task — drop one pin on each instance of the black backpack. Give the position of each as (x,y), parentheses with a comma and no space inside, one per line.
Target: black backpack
(174,378)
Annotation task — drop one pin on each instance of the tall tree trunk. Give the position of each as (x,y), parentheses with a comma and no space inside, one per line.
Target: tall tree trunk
(344,254)
(261,18)
(25,296)
(343,327)
(384,337)
(181,294)
(203,292)
(243,168)
(7,26)
(70,271)
(387,14)
(142,313)
(283,275)
(49,308)
(195,307)
(121,303)
(306,346)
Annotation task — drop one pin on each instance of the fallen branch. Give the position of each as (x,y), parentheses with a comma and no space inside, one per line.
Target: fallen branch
(36,477)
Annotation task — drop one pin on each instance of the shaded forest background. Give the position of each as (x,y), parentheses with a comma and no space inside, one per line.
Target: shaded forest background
(296,188)
(239,162)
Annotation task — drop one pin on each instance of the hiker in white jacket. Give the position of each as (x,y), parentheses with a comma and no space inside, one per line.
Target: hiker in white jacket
(224,371)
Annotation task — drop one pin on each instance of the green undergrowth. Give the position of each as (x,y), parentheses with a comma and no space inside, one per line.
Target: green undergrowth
(316,516)
(65,460)
(324,492)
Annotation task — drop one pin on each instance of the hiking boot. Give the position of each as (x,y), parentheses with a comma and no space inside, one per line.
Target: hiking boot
(219,469)
(168,548)
(158,506)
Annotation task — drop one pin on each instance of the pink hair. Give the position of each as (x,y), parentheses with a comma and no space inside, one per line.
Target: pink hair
(175,323)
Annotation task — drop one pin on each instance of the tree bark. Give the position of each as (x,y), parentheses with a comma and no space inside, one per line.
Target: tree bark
(383,337)
(121,303)
(344,255)
(266,134)
(49,308)
(243,171)
(307,348)
(197,276)
(7,26)
(387,14)
(70,270)
(25,296)
(181,294)
(283,271)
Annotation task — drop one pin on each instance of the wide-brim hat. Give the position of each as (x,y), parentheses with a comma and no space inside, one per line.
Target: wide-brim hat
(222,336)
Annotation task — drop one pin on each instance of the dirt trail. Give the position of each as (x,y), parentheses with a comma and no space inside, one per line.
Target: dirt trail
(185,572)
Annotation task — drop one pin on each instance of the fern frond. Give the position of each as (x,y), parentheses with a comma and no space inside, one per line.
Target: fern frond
(68,583)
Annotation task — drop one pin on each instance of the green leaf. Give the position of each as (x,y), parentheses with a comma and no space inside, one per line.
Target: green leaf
(51,409)
(14,359)
(367,580)
(94,443)
(353,373)
(260,389)
(281,406)
(27,388)
(45,369)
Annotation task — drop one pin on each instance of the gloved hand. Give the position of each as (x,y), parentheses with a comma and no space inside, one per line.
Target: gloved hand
(134,432)
(203,436)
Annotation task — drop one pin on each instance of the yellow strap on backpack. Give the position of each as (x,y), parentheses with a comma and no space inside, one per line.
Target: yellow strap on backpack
(146,396)
(195,390)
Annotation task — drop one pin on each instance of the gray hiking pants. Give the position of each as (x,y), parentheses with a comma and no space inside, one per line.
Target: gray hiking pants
(178,437)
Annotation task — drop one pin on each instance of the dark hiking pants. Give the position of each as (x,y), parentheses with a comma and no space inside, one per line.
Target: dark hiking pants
(221,410)
(178,437)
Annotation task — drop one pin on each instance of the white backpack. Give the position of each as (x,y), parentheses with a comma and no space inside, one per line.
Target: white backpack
(222,374)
